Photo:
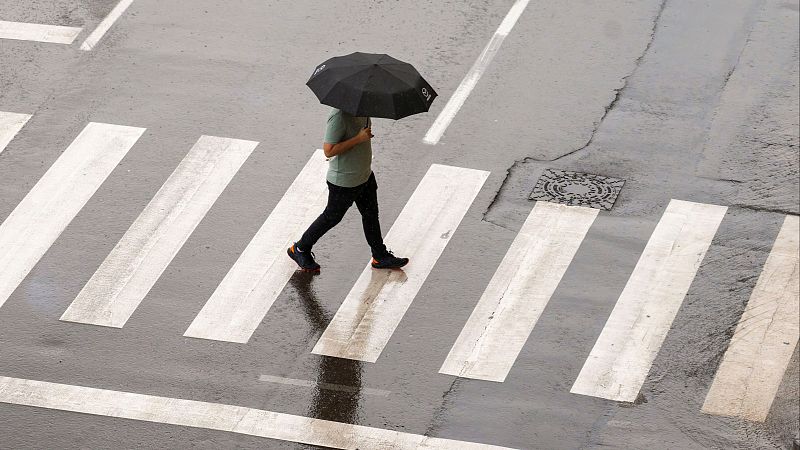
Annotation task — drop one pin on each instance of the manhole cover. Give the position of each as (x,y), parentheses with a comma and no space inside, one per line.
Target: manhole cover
(577,189)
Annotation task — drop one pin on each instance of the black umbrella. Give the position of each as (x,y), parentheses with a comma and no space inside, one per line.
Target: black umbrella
(371,85)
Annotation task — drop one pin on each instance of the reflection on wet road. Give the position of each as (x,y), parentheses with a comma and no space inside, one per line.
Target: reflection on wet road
(338,390)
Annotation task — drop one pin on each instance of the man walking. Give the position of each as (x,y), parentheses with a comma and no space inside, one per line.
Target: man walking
(350,180)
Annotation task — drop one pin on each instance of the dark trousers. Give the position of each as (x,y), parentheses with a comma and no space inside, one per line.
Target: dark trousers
(340,199)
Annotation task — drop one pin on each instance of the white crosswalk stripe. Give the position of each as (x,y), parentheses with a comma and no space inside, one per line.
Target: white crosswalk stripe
(762,345)
(247,292)
(150,244)
(518,292)
(621,358)
(52,34)
(56,199)
(374,307)
(475,73)
(10,124)
(216,416)
(94,38)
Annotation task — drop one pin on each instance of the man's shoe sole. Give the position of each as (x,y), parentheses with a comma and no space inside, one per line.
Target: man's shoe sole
(390,267)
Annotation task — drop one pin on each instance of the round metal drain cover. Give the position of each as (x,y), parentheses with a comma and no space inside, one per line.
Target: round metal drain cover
(577,189)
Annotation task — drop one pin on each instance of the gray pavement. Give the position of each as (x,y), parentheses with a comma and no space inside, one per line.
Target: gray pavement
(690,100)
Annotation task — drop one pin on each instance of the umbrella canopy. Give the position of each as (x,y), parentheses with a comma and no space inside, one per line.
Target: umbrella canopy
(371,85)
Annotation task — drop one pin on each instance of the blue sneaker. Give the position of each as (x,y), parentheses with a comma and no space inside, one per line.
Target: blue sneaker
(389,261)
(303,259)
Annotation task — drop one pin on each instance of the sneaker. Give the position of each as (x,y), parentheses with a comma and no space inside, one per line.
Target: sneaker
(389,261)
(303,259)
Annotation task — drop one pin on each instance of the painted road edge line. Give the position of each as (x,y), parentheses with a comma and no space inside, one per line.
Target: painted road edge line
(215,416)
(10,124)
(40,218)
(376,304)
(105,25)
(621,358)
(50,34)
(475,73)
(518,292)
(761,348)
(245,295)
(324,386)
(140,257)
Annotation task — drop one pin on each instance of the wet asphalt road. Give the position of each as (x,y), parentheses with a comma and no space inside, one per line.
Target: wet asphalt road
(694,100)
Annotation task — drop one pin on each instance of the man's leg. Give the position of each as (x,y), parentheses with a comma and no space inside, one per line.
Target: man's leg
(339,201)
(367,203)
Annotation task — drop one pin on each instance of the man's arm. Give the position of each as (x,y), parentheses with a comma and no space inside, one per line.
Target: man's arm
(332,150)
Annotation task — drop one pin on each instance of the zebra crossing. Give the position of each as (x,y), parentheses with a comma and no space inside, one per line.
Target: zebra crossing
(37,221)
(247,292)
(374,307)
(140,257)
(621,358)
(503,318)
(518,292)
(762,345)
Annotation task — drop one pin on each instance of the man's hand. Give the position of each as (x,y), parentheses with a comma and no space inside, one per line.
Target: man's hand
(332,150)
(364,135)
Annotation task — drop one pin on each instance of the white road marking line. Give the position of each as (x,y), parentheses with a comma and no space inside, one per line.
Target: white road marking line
(10,124)
(762,345)
(57,198)
(247,292)
(621,358)
(325,386)
(519,291)
(147,248)
(377,303)
(215,416)
(51,34)
(475,73)
(105,25)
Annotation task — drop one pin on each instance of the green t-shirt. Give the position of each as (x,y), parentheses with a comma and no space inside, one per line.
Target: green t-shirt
(354,166)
